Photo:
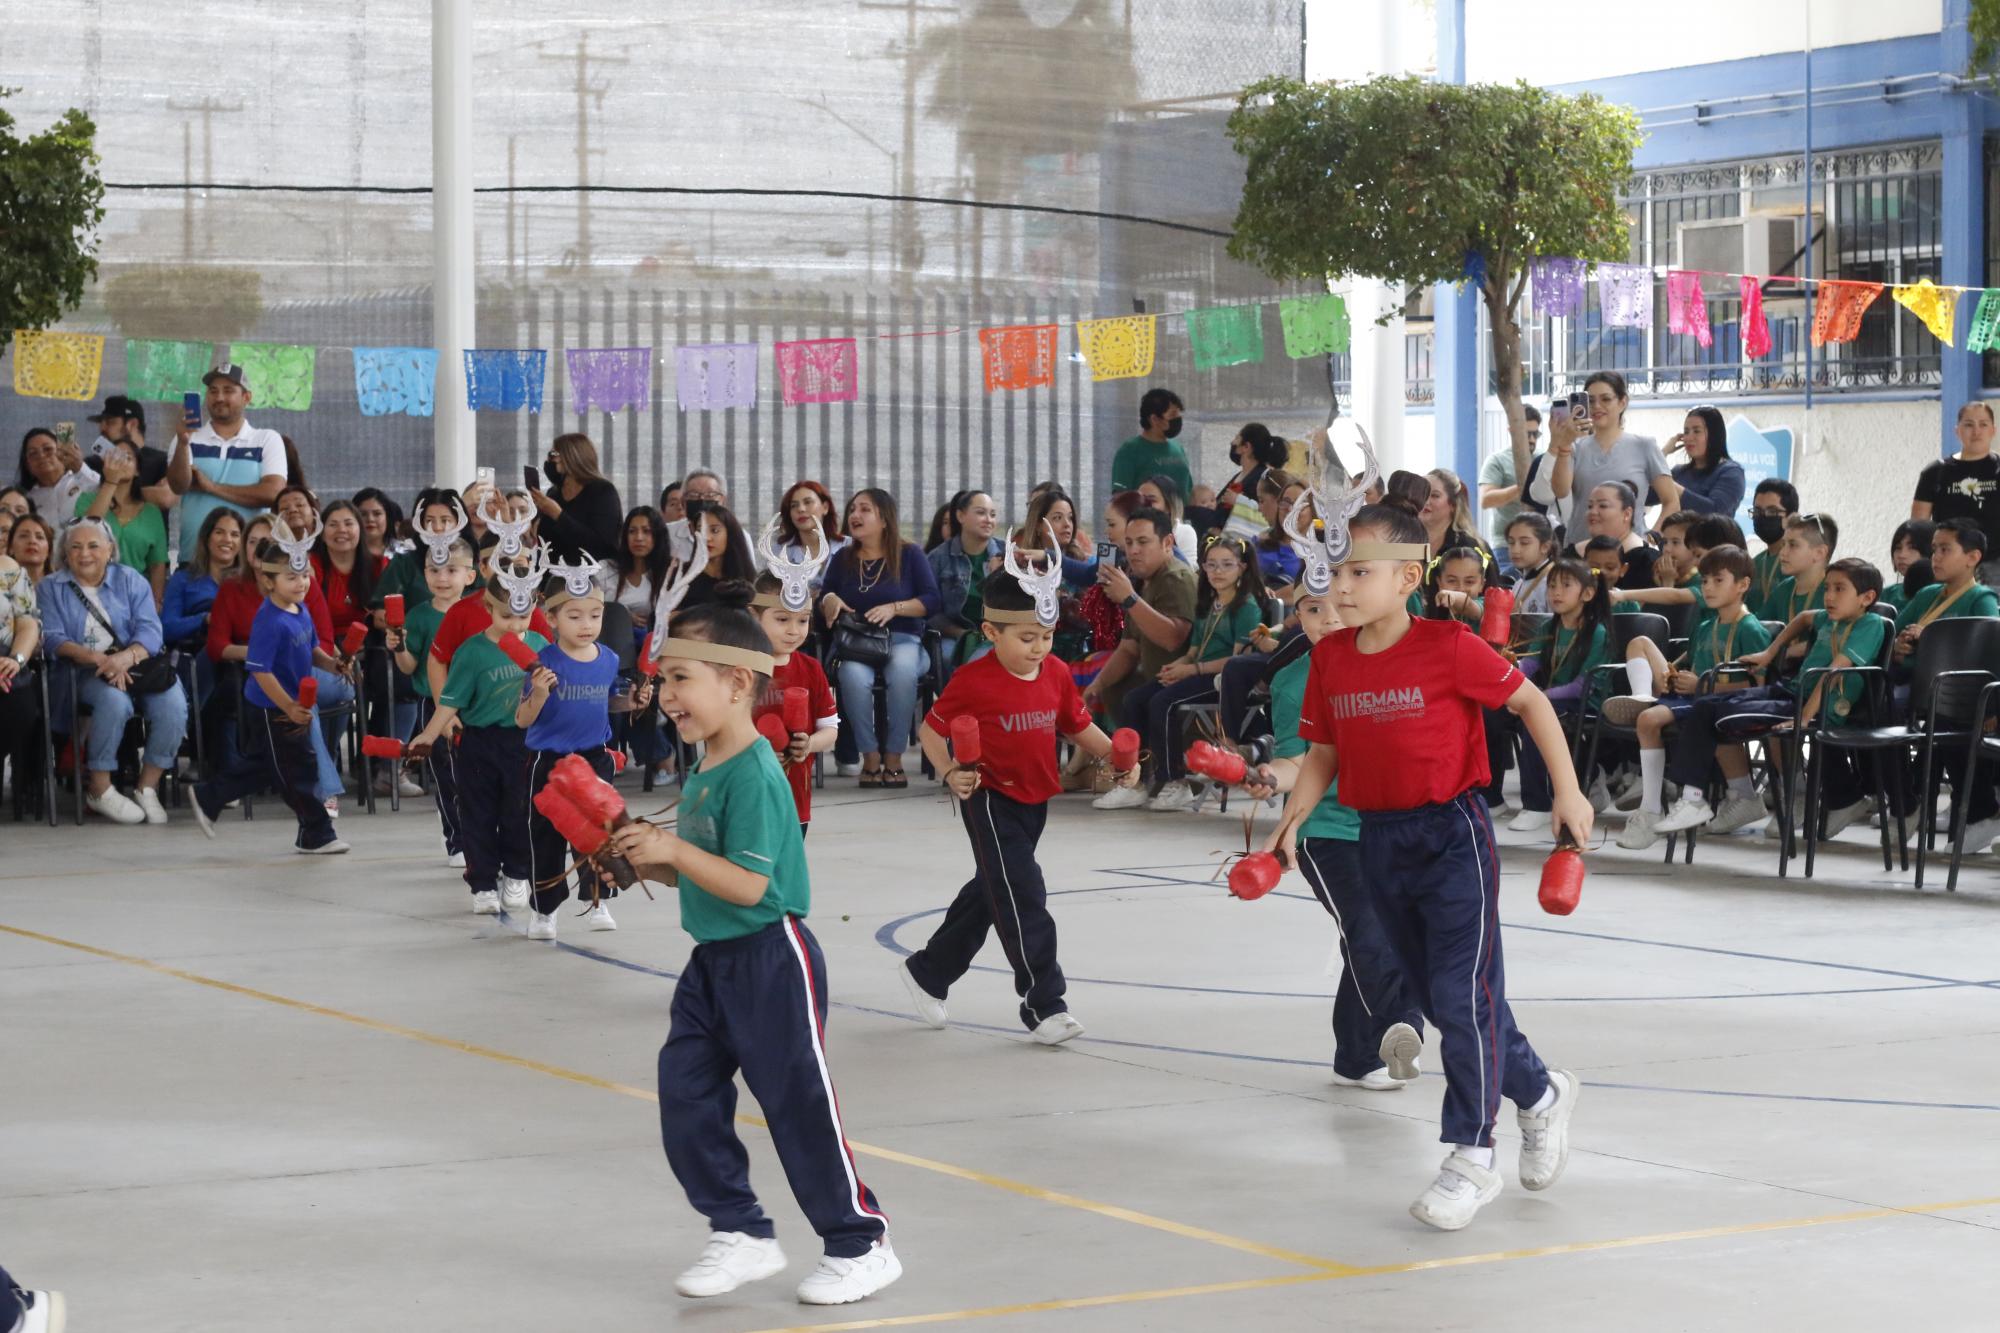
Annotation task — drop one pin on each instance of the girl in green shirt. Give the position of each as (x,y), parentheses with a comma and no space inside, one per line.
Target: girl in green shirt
(1227,612)
(1577,641)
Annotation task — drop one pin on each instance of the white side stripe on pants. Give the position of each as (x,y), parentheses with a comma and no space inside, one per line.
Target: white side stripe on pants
(826,1079)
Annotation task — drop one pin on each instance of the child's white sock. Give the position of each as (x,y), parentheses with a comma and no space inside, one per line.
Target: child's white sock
(1742,788)
(1482,1156)
(1640,672)
(1653,780)
(1545,1101)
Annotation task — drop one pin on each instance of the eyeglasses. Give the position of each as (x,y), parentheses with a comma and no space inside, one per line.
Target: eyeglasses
(1221,566)
(1769,513)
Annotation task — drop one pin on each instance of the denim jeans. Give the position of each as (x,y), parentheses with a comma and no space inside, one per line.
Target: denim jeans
(166,715)
(327,736)
(857,696)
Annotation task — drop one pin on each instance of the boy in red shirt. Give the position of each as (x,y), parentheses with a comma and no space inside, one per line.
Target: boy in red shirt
(1394,708)
(787,626)
(1021,696)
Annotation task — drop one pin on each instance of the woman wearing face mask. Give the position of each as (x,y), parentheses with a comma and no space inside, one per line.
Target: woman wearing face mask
(582,515)
(1711,481)
(1255,452)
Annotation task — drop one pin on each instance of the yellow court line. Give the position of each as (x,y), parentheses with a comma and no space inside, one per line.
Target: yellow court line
(1022,1188)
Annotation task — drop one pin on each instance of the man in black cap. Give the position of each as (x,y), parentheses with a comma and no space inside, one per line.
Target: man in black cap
(123,421)
(226,462)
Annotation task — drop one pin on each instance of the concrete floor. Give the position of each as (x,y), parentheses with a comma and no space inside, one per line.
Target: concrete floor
(245,1090)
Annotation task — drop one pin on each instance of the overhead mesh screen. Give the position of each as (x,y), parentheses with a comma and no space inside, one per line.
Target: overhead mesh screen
(969,159)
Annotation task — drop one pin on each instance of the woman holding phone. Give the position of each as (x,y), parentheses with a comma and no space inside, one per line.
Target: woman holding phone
(582,516)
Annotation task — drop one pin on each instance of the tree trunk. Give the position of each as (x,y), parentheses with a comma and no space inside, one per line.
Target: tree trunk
(1506,347)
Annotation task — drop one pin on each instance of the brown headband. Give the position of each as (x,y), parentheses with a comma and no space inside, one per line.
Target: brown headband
(1012,618)
(1389,551)
(719,654)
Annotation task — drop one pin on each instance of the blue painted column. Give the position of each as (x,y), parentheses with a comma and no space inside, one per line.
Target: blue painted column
(1455,334)
(1964,212)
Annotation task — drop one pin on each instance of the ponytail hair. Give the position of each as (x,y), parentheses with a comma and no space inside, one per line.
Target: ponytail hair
(1596,612)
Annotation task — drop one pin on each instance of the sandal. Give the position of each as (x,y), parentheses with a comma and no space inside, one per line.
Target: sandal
(894,777)
(871,777)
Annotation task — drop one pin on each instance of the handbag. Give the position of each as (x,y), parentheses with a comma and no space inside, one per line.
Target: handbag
(155,675)
(857,641)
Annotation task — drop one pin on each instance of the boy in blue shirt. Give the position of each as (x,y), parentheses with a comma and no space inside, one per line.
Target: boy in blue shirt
(276,746)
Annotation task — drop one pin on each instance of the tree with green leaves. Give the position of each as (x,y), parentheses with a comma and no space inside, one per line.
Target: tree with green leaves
(1982,21)
(51,200)
(1407,181)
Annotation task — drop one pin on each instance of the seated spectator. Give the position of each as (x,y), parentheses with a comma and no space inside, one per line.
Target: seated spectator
(299,508)
(1958,548)
(7,519)
(437,511)
(1158,594)
(1772,506)
(20,640)
(382,530)
(136,522)
(704,484)
(1277,562)
(1159,493)
(960,567)
(1455,588)
(32,545)
(1711,481)
(1612,514)
(942,529)
(344,573)
(1911,546)
(190,595)
(1256,453)
(1446,512)
(473,501)
(1564,662)
(99,617)
(805,505)
(673,505)
(727,550)
(1051,510)
(13,505)
(581,514)
(1531,546)
(884,582)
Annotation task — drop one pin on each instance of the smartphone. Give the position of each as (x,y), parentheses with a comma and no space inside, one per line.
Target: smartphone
(482,476)
(65,432)
(531,477)
(1110,553)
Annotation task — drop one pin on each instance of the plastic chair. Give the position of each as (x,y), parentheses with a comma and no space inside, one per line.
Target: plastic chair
(1980,748)
(1869,740)
(79,711)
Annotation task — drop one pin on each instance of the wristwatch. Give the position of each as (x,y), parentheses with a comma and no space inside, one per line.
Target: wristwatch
(1130,601)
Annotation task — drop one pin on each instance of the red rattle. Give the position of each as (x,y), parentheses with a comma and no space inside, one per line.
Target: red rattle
(617,761)
(1562,879)
(649,665)
(357,634)
(1255,875)
(309,691)
(1124,750)
(381,747)
(965,741)
(392,610)
(798,711)
(599,808)
(1496,621)
(772,728)
(1223,765)
(520,654)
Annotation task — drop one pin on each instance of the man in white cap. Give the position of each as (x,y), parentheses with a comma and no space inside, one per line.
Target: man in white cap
(227,462)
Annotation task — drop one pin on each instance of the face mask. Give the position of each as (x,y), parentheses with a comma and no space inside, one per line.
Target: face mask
(1174,427)
(553,471)
(1768,527)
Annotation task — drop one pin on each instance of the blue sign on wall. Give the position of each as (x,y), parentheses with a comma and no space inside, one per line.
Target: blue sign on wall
(1763,454)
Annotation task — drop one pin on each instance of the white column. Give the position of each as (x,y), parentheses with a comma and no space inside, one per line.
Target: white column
(451,235)
(1378,350)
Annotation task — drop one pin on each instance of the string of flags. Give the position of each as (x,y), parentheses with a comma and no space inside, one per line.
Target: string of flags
(719,376)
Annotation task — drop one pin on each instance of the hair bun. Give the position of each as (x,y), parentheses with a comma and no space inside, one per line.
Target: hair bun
(1402,504)
(735,593)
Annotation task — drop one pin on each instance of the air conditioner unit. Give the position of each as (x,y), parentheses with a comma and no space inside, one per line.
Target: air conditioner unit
(1764,244)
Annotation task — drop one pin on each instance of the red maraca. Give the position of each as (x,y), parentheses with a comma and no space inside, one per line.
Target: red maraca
(1255,875)
(519,653)
(1212,761)
(392,610)
(309,691)
(649,665)
(381,747)
(357,634)
(772,728)
(575,828)
(617,761)
(965,741)
(1124,750)
(1562,879)
(1496,621)
(798,710)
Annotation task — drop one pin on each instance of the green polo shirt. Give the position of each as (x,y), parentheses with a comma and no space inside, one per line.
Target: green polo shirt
(420,626)
(1714,642)
(1329,819)
(1224,629)
(1139,458)
(1764,578)
(483,685)
(1786,602)
(741,810)
(1978,600)
(1858,640)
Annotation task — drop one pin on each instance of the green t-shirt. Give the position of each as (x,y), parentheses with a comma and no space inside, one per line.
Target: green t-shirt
(1714,642)
(1858,640)
(1764,578)
(1224,629)
(1171,592)
(742,811)
(1139,458)
(1978,600)
(1786,602)
(483,685)
(420,626)
(404,576)
(1895,595)
(1329,819)
(1565,666)
(142,543)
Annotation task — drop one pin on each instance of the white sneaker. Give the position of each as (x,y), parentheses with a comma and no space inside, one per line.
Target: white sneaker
(456,860)
(115,806)
(1461,1187)
(1836,820)
(928,1007)
(1173,796)
(1545,1137)
(839,770)
(1640,831)
(1057,1029)
(728,1261)
(1737,812)
(1530,821)
(1375,1080)
(513,893)
(333,807)
(542,927)
(843,1281)
(486,903)
(1980,836)
(148,801)
(1600,795)
(599,918)
(46,1313)
(1690,811)
(1120,798)
(1400,1047)
(334,848)
(201,819)
(405,785)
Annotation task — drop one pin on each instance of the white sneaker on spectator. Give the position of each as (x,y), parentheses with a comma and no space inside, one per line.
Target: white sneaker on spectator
(1057,1029)
(1461,1187)
(1375,1080)
(1980,836)
(46,1313)
(148,801)
(928,1006)
(513,893)
(1120,798)
(1545,1136)
(486,903)
(456,860)
(1690,811)
(1737,812)
(1400,1048)
(201,819)
(542,927)
(1174,795)
(844,1281)
(730,1259)
(599,918)
(847,770)
(333,807)
(334,848)
(1641,831)
(1836,820)
(1529,821)
(115,806)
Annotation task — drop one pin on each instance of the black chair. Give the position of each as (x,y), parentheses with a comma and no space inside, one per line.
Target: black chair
(1981,747)
(42,783)
(78,711)
(1873,740)
(930,684)
(1589,722)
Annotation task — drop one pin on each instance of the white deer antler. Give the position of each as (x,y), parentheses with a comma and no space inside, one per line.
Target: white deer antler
(578,579)
(522,584)
(680,541)
(1045,586)
(796,575)
(1321,550)
(511,531)
(440,542)
(298,550)
(670,599)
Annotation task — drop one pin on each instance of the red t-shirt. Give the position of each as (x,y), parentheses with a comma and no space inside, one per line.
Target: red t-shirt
(802,672)
(468,617)
(235,607)
(1018,720)
(1408,723)
(340,603)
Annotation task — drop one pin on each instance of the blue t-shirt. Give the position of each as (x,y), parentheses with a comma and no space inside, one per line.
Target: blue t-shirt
(577,714)
(282,643)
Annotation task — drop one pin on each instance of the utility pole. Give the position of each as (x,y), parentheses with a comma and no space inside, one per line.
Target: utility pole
(455,436)
(206,108)
(908,248)
(587,91)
